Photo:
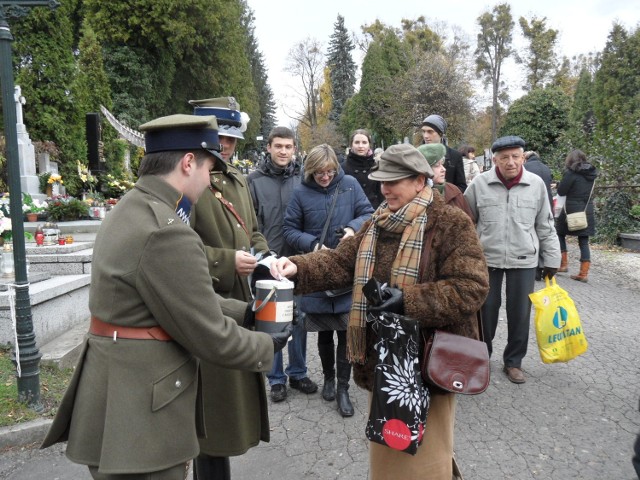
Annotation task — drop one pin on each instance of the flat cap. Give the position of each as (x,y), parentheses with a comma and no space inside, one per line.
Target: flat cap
(182,132)
(398,162)
(510,141)
(433,152)
(231,121)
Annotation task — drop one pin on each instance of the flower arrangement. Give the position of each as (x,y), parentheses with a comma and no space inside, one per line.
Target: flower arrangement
(84,174)
(116,187)
(6,233)
(65,207)
(5,226)
(29,205)
(55,178)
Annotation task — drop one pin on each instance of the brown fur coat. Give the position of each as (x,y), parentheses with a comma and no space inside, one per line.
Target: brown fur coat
(452,288)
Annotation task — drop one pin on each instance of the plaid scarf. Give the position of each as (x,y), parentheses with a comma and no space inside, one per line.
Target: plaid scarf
(410,220)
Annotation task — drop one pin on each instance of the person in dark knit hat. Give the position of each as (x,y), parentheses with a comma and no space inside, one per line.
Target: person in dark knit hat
(433,129)
(514,222)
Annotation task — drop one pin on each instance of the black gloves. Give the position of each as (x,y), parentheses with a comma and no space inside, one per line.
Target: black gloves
(280,339)
(549,272)
(383,298)
(392,301)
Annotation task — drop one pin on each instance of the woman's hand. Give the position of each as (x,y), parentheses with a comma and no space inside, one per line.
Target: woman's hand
(283,268)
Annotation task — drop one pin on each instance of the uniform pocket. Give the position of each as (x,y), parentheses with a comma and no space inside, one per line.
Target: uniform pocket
(171,386)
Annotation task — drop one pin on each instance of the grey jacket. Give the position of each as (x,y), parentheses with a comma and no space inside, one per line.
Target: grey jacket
(513,225)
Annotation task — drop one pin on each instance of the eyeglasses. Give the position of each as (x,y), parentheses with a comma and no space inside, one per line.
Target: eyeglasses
(330,174)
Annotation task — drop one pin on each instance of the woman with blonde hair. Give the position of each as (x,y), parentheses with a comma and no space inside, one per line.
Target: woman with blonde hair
(326,209)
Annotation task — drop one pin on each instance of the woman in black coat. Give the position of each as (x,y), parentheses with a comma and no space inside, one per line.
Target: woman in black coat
(577,185)
(359,162)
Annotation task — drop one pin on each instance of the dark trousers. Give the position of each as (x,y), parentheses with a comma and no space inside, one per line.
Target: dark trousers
(519,284)
(206,467)
(583,243)
(177,472)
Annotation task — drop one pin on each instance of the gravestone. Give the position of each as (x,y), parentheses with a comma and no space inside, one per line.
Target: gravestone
(26,152)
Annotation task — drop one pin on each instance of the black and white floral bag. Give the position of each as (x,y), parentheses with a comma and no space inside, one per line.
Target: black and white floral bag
(400,399)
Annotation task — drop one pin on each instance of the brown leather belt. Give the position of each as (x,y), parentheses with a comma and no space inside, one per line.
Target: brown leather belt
(103,329)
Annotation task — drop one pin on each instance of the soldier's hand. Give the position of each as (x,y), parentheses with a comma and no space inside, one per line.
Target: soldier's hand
(280,339)
(245,263)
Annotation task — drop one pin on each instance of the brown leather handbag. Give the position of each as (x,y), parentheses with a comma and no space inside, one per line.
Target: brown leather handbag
(455,363)
(452,362)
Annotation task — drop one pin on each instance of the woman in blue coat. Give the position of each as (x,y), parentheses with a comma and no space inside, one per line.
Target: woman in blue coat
(307,213)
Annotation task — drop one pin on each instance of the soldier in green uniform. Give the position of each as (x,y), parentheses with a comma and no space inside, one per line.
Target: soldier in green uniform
(225,220)
(133,408)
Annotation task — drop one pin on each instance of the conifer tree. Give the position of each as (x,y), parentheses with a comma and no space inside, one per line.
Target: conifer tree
(342,68)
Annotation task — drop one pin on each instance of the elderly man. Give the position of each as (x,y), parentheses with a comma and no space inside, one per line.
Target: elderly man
(514,223)
(132,409)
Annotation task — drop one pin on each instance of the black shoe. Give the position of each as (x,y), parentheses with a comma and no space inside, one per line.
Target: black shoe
(305,385)
(344,403)
(278,392)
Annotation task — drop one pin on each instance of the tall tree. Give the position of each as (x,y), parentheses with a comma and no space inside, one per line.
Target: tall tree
(342,68)
(45,68)
(306,62)
(616,88)
(419,36)
(493,47)
(266,103)
(582,108)
(541,118)
(540,58)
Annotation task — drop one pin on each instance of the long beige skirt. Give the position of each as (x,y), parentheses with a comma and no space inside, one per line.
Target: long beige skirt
(435,455)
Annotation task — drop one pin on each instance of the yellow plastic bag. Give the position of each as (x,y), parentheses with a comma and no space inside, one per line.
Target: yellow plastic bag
(558,328)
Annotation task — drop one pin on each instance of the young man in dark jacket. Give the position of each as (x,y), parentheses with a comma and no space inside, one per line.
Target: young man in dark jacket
(433,130)
(271,186)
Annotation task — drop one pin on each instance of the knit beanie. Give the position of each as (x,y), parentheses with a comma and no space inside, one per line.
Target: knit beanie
(436,122)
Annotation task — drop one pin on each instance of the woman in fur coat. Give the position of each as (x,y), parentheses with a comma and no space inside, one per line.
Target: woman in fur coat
(445,294)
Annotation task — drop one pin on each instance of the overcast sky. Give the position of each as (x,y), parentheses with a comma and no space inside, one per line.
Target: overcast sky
(280,24)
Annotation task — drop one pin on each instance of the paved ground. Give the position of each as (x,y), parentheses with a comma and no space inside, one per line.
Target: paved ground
(569,421)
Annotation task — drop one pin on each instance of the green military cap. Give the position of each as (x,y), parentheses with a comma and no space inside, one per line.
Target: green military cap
(398,162)
(182,132)
(231,120)
(433,152)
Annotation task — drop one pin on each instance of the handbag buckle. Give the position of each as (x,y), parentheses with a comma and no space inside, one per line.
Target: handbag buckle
(457,384)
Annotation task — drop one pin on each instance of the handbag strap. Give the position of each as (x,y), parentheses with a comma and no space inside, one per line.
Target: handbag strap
(326,225)
(588,199)
(424,261)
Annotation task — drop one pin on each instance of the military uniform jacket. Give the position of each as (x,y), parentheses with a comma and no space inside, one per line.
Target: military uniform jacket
(236,408)
(223,234)
(131,406)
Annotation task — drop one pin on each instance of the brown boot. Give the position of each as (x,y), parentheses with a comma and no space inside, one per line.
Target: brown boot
(584,271)
(564,264)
